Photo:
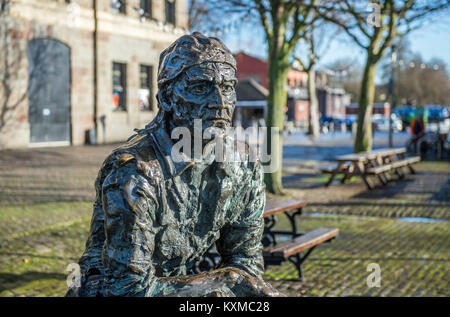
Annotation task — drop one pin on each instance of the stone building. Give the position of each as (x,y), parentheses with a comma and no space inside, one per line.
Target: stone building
(77,71)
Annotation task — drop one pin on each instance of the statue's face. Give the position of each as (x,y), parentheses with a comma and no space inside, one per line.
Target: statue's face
(206,92)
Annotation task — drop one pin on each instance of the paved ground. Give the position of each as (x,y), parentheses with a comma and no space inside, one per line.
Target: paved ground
(45,208)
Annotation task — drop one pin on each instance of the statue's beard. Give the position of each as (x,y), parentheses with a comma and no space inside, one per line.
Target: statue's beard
(217,123)
(209,118)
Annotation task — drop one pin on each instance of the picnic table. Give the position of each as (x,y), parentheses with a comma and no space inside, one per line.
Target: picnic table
(380,163)
(276,250)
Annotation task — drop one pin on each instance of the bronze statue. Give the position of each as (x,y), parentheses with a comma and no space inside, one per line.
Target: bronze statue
(155,216)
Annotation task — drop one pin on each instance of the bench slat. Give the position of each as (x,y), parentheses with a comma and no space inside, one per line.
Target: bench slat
(379,169)
(388,151)
(404,162)
(399,163)
(275,206)
(413,159)
(301,243)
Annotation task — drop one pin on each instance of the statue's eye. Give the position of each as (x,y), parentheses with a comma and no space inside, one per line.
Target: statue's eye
(227,88)
(199,89)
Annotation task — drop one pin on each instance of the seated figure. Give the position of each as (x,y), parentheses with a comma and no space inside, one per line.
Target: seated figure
(155,216)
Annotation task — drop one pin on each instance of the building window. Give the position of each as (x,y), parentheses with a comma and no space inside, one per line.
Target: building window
(170,11)
(145,89)
(4,5)
(119,87)
(118,6)
(146,8)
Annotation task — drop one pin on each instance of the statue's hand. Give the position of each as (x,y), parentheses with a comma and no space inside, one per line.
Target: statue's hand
(227,281)
(243,284)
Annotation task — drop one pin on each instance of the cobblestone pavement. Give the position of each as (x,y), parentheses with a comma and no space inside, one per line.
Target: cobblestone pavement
(46,201)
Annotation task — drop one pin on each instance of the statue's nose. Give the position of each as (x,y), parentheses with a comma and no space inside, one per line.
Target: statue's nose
(217,99)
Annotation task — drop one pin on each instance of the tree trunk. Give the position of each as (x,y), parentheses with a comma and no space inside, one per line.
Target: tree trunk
(313,117)
(363,140)
(276,104)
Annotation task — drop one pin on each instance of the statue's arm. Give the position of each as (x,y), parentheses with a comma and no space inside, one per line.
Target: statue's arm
(129,243)
(91,260)
(240,241)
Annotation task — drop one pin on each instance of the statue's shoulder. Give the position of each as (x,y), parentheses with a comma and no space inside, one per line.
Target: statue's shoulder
(137,153)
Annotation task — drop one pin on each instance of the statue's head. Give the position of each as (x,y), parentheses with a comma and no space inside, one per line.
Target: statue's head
(196,80)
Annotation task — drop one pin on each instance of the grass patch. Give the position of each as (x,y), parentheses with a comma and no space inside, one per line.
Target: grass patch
(26,219)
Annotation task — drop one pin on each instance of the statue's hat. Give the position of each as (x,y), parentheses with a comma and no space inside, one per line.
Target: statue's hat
(190,50)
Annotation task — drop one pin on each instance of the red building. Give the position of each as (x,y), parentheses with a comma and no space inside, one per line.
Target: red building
(252,69)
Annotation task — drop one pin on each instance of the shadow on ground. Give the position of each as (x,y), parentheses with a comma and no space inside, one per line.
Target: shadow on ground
(12,281)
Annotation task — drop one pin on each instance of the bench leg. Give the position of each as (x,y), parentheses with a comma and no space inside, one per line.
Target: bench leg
(387,176)
(411,169)
(382,179)
(346,176)
(291,217)
(366,181)
(297,260)
(400,173)
(334,173)
(330,180)
(359,170)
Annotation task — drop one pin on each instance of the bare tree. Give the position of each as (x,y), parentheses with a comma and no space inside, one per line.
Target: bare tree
(12,55)
(200,15)
(346,73)
(419,82)
(316,40)
(375,32)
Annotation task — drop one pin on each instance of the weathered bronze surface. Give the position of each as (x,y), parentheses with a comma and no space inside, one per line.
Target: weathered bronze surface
(154,216)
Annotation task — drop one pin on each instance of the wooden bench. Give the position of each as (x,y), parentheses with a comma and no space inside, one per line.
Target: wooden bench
(394,165)
(291,250)
(290,208)
(274,207)
(274,252)
(378,163)
(301,243)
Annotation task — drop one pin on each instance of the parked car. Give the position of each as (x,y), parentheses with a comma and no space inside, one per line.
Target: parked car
(437,113)
(349,120)
(404,112)
(325,120)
